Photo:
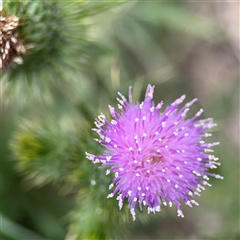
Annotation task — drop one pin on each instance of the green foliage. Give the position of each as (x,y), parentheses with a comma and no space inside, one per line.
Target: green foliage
(98,217)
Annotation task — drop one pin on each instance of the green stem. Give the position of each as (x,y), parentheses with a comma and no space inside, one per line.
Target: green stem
(13,230)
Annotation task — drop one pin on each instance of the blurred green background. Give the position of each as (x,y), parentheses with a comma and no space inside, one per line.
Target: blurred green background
(48,110)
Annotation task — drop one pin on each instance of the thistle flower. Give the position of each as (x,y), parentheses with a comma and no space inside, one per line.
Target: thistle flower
(11,46)
(156,157)
(58,41)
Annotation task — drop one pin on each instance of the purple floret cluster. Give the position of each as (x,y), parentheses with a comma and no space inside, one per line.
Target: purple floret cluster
(157,157)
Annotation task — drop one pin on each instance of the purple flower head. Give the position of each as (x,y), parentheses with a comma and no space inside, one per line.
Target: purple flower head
(156,157)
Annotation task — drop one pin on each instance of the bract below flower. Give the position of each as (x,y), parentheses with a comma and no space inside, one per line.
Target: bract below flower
(156,157)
